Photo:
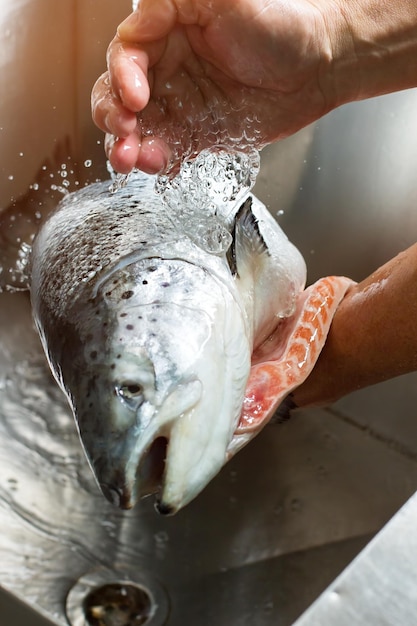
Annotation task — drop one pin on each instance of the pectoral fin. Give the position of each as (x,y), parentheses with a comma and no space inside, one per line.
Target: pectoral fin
(248,245)
(269,270)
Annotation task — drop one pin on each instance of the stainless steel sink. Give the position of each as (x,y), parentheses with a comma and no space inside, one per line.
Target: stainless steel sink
(291,510)
(264,539)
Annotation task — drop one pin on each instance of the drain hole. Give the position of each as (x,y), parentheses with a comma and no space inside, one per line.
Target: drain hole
(118,605)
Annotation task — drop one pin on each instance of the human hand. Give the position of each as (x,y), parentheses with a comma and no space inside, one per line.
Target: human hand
(184,76)
(373,336)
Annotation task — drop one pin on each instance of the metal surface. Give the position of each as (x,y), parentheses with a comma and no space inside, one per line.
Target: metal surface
(281,521)
(380,586)
(16,611)
(108,591)
(263,540)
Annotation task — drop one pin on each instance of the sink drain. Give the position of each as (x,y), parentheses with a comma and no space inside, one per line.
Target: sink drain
(118,605)
(109,598)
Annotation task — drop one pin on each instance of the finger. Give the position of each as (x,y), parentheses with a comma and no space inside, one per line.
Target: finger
(151,155)
(122,153)
(154,155)
(108,112)
(128,74)
(130,55)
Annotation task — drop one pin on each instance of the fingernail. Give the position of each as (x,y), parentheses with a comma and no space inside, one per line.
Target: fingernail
(109,142)
(129,24)
(284,411)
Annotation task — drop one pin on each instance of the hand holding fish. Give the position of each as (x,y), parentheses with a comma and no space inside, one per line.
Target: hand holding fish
(372,336)
(183,76)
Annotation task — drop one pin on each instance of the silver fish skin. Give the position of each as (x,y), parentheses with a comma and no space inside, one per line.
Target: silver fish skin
(148,317)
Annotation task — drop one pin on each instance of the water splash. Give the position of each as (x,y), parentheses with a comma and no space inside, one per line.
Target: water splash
(206,190)
(211,180)
(20,221)
(188,131)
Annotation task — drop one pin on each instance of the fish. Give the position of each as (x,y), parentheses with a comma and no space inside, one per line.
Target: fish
(174,334)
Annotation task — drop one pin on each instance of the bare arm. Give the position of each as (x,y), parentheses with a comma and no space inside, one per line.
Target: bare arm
(377,52)
(373,336)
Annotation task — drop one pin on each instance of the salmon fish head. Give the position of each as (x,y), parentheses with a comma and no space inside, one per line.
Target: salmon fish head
(143,395)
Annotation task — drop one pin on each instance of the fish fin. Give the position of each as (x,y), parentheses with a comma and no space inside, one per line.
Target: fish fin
(21,219)
(248,241)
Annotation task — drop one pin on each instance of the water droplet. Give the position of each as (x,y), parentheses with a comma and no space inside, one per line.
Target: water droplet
(119,181)
(88,163)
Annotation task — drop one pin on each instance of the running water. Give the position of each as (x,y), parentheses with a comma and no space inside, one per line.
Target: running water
(214,182)
(211,180)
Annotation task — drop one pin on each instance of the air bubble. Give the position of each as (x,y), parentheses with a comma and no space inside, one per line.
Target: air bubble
(214,182)
(214,177)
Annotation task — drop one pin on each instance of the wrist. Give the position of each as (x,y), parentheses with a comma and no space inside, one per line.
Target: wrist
(374,48)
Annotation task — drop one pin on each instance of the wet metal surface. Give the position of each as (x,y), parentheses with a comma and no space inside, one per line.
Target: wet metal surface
(380,587)
(15,610)
(291,510)
(290,502)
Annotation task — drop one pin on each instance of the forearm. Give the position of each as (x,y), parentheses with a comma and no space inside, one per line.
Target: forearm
(374,48)
(373,336)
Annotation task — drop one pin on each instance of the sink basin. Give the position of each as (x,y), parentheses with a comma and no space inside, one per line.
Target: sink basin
(257,546)
(285,516)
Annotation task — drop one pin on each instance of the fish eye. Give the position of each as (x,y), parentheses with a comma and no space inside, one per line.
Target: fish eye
(131,393)
(131,390)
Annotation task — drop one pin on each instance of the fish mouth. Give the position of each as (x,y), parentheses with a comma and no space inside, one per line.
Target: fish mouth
(152,468)
(175,464)
(149,478)
(154,477)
